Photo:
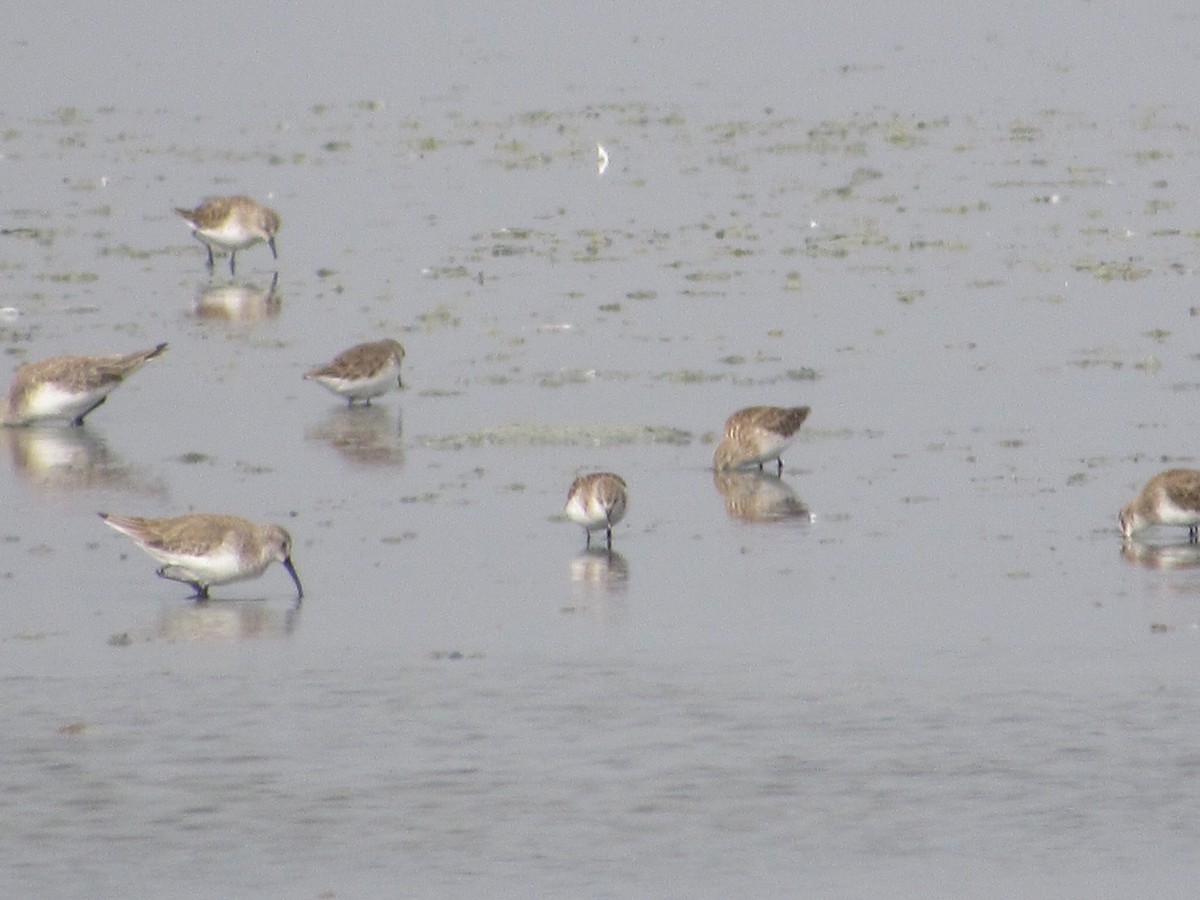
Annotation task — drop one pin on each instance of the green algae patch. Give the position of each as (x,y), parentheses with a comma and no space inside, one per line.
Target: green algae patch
(73,277)
(564,377)
(442,316)
(688,376)
(518,435)
(842,244)
(43,236)
(1121,270)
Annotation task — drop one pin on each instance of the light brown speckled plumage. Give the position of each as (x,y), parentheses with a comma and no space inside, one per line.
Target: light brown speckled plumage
(231,224)
(362,372)
(69,387)
(756,435)
(1169,498)
(203,549)
(596,501)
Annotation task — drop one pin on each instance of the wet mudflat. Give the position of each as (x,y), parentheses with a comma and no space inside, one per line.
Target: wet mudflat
(919,655)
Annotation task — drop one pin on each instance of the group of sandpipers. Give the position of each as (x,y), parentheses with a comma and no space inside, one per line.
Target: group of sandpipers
(202,549)
(753,436)
(199,549)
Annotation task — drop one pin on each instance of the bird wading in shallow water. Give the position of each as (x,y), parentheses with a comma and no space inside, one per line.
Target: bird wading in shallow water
(756,435)
(1169,498)
(230,224)
(362,372)
(69,387)
(201,550)
(597,501)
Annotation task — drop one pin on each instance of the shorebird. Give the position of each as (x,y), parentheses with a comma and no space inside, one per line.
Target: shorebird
(201,550)
(69,387)
(1169,498)
(756,435)
(597,501)
(231,224)
(362,372)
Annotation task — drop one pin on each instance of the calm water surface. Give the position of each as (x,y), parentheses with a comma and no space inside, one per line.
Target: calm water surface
(917,665)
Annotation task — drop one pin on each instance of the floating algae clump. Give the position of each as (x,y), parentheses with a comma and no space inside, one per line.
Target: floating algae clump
(560,435)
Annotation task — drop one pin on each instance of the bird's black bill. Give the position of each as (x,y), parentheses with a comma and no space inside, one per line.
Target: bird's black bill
(287,564)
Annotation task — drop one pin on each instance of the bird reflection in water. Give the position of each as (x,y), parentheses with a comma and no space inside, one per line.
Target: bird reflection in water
(759,497)
(225,620)
(599,580)
(239,301)
(366,435)
(69,459)
(1182,555)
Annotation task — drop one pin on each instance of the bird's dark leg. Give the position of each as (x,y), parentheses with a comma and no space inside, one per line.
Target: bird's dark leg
(200,589)
(232,261)
(608,532)
(1194,534)
(760,467)
(78,420)
(588,544)
(208,263)
(780,472)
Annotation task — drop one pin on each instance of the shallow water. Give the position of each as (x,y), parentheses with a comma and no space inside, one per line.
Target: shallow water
(918,663)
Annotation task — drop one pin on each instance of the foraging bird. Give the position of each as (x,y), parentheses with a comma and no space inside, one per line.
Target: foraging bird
(230,224)
(201,550)
(69,387)
(756,435)
(597,501)
(1169,498)
(362,372)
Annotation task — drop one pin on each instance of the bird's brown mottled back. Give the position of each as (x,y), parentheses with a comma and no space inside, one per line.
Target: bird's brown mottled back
(785,421)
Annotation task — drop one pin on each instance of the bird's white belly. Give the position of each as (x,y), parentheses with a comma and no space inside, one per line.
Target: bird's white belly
(1170,514)
(590,513)
(767,446)
(363,388)
(229,237)
(219,567)
(50,401)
